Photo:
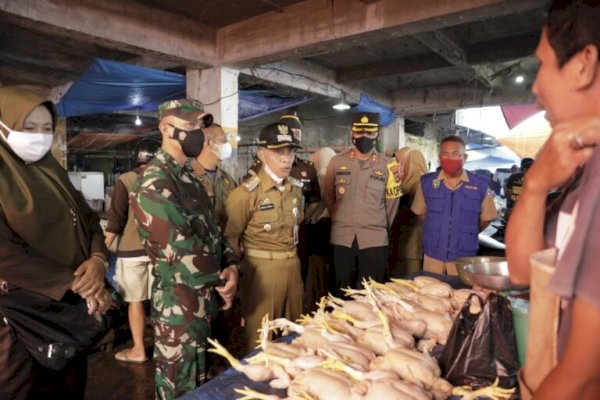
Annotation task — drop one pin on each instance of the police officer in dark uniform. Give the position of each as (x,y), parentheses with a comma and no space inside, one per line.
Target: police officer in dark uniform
(305,172)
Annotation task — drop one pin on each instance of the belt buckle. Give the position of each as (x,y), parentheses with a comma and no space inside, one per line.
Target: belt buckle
(291,254)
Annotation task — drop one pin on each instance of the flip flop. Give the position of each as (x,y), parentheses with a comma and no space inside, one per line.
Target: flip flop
(123,357)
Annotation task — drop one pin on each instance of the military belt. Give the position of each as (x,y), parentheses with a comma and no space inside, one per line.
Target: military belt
(271,255)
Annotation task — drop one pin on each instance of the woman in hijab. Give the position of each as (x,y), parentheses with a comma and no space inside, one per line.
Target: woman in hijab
(50,242)
(407,231)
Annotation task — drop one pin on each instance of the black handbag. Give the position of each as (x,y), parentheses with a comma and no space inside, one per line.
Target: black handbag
(52,331)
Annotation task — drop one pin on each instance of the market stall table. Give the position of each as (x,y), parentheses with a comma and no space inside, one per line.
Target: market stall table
(222,387)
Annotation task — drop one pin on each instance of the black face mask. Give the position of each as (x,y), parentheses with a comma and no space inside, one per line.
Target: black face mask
(364,144)
(192,144)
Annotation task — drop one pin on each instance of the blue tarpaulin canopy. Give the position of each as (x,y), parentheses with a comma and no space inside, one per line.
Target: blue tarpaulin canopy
(367,104)
(109,86)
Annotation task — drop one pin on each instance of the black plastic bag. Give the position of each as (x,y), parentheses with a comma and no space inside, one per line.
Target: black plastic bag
(482,347)
(54,332)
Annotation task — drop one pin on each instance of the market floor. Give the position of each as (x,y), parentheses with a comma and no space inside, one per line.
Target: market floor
(112,379)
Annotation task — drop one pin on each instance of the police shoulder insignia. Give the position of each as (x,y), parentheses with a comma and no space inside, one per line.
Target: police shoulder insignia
(251,183)
(435,183)
(296,182)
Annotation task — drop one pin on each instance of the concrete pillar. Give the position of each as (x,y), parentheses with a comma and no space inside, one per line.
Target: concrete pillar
(217,89)
(392,137)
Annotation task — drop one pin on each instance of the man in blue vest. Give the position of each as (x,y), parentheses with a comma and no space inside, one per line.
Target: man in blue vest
(455,205)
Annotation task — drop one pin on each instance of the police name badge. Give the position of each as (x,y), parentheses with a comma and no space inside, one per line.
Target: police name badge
(435,183)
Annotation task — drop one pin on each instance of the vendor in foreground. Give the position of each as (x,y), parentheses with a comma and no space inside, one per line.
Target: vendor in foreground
(455,205)
(568,88)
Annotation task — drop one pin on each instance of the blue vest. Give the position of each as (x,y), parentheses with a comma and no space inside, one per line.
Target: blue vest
(452,218)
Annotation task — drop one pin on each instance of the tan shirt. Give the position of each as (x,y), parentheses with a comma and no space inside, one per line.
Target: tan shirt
(488,207)
(262,216)
(217,189)
(355,194)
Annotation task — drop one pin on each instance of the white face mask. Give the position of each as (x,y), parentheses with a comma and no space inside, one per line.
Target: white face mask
(224,150)
(30,147)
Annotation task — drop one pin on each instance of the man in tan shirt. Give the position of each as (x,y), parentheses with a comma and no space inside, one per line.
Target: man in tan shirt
(455,205)
(264,214)
(361,190)
(217,183)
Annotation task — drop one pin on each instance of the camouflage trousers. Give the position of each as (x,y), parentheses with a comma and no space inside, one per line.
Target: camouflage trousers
(182,318)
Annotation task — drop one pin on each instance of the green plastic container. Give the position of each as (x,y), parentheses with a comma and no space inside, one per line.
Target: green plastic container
(520,313)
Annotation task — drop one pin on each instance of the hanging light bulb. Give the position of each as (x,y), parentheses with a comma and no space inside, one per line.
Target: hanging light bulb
(342,105)
(138,120)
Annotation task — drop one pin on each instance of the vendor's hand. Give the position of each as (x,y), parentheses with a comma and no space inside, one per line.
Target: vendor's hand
(227,292)
(569,146)
(99,303)
(89,278)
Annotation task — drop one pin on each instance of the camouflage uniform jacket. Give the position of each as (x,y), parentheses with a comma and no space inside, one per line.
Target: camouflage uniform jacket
(217,188)
(177,225)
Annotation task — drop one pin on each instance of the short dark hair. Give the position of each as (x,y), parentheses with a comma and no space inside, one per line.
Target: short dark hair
(453,138)
(526,163)
(571,25)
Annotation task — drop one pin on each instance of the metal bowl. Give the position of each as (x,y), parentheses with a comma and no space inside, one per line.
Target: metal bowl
(461,263)
(491,275)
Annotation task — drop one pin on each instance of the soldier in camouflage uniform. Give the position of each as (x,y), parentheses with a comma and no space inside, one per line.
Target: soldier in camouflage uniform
(264,214)
(217,183)
(189,255)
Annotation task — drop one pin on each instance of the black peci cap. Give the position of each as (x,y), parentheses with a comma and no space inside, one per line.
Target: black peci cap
(276,135)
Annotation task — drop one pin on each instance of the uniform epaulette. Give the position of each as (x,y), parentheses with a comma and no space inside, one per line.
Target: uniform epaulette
(296,182)
(251,183)
(307,162)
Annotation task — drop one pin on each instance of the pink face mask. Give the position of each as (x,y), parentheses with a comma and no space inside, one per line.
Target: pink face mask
(452,166)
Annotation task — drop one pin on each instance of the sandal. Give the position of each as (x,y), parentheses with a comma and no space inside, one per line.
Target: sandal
(123,357)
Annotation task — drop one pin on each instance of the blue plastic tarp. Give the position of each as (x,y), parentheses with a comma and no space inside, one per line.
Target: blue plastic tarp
(367,104)
(256,103)
(109,86)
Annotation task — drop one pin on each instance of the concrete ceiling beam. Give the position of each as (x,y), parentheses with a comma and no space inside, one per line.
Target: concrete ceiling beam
(432,100)
(123,25)
(313,78)
(314,27)
(495,51)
